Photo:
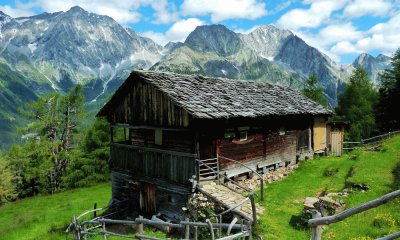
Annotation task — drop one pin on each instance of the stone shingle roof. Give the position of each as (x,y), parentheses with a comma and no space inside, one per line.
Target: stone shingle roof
(213,98)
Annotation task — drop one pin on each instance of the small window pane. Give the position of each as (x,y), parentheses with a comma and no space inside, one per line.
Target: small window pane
(243,135)
(229,135)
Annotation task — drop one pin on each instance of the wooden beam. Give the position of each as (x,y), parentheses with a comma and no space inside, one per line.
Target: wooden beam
(150,127)
(352,211)
(147,149)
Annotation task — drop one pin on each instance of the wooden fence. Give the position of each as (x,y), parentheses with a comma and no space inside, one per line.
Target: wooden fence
(317,221)
(369,143)
(82,230)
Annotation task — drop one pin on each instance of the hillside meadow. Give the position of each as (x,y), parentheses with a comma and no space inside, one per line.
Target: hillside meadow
(47,217)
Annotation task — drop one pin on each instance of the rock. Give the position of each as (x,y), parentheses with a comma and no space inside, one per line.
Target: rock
(310,201)
(328,199)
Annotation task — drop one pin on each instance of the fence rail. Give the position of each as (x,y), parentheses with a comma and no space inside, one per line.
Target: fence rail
(81,231)
(368,142)
(317,221)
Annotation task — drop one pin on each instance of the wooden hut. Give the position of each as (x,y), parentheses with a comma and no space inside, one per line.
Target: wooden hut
(335,136)
(168,123)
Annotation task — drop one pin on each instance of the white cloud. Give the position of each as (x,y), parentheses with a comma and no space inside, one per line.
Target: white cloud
(224,9)
(14,12)
(177,32)
(337,33)
(344,47)
(382,37)
(156,37)
(360,8)
(124,12)
(319,12)
(165,12)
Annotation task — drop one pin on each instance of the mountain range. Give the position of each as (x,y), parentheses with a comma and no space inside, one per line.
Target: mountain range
(54,51)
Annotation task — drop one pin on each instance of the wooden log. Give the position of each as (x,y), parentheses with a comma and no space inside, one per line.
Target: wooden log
(211,228)
(352,211)
(195,237)
(140,225)
(187,230)
(104,231)
(253,208)
(390,237)
(316,230)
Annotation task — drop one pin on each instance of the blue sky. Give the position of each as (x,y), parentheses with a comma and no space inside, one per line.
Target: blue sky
(341,29)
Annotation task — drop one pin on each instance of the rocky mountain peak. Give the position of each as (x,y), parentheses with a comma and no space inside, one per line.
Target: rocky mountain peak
(214,38)
(373,65)
(383,58)
(267,40)
(76,10)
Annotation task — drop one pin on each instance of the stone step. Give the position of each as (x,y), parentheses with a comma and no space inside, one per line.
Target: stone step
(230,198)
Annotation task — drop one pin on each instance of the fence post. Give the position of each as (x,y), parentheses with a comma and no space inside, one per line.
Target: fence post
(253,208)
(95,213)
(104,231)
(211,228)
(140,225)
(195,233)
(317,230)
(262,187)
(187,230)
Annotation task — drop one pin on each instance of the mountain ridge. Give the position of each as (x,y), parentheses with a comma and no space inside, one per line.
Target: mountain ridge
(54,51)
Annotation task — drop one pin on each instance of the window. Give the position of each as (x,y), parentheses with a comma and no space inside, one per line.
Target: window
(243,135)
(228,135)
(158,137)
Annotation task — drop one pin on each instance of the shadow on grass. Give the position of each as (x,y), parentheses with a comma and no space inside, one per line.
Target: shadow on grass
(396,177)
(298,222)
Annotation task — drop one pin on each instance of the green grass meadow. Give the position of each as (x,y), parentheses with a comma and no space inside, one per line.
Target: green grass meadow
(47,217)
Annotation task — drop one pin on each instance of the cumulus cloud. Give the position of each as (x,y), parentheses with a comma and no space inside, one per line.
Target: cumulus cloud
(224,9)
(14,12)
(360,8)
(124,12)
(337,33)
(176,33)
(383,37)
(318,13)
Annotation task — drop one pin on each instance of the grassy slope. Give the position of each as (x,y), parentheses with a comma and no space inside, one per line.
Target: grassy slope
(284,199)
(46,217)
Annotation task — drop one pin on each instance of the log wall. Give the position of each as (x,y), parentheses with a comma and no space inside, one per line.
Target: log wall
(143,104)
(265,148)
(172,168)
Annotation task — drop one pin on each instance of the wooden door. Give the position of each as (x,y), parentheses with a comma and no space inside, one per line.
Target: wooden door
(336,142)
(148,199)
(319,134)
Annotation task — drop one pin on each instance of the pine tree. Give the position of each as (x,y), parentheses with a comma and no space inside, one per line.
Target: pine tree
(357,104)
(313,91)
(388,116)
(89,163)
(54,128)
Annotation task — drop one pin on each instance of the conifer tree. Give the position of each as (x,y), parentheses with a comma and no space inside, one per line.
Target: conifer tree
(388,114)
(313,91)
(357,104)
